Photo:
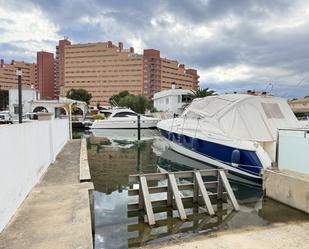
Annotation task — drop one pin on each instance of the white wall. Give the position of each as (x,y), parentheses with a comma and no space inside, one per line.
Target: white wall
(171,105)
(26,151)
(28,95)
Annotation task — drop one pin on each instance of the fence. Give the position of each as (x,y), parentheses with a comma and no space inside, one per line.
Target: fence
(26,150)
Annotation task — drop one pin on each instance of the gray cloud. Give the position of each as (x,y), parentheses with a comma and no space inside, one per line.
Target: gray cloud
(260,35)
(9,52)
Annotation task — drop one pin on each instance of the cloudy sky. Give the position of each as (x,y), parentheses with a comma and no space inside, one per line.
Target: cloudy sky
(235,44)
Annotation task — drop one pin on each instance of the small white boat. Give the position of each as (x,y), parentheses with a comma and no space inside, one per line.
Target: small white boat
(123,118)
(237,132)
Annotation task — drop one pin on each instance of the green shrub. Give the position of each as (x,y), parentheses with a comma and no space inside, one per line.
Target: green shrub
(99,116)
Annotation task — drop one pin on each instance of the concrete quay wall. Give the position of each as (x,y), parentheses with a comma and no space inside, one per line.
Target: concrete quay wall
(288,187)
(26,151)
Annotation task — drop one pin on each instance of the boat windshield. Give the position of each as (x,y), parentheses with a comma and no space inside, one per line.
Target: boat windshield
(124,114)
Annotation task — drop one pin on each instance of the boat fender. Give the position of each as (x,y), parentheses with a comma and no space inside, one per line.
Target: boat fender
(235,158)
(170,136)
(195,144)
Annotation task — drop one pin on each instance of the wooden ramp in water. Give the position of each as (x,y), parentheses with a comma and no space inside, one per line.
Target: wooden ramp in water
(214,188)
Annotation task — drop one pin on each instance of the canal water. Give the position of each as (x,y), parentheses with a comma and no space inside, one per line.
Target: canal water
(115,154)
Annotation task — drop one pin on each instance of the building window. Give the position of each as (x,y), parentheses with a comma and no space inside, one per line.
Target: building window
(186,98)
(166,101)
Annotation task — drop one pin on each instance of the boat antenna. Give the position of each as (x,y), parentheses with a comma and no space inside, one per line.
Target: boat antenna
(302,80)
(269,88)
(113,102)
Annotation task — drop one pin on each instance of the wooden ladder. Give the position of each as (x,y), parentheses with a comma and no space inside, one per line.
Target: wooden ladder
(174,195)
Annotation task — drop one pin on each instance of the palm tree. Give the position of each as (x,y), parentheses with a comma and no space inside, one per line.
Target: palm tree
(201,93)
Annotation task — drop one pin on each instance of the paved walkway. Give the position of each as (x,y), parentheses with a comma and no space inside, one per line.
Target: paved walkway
(56,214)
(281,236)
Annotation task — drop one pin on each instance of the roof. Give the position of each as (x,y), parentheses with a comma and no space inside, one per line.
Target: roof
(23,87)
(171,92)
(299,101)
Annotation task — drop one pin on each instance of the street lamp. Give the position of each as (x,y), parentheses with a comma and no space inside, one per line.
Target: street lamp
(19,73)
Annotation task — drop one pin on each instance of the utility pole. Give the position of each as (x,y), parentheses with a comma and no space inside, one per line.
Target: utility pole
(19,73)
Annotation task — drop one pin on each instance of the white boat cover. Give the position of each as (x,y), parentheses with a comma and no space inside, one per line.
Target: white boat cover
(243,116)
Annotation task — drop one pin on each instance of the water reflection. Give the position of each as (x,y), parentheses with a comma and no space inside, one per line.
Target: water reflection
(168,225)
(111,160)
(116,154)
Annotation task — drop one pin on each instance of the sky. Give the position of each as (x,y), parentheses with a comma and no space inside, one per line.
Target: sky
(236,45)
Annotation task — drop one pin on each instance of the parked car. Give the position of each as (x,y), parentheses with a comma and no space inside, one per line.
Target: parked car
(5,117)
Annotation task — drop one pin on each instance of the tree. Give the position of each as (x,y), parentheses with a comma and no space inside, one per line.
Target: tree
(79,94)
(201,93)
(4,99)
(138,103)
(114,100)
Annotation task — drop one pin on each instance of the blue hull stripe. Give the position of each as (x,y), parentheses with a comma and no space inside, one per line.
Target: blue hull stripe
(247,160)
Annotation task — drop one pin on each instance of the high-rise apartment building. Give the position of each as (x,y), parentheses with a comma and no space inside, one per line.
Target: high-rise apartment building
(59,67)
(46,75)
(104,69)
(8,78)
(161,73)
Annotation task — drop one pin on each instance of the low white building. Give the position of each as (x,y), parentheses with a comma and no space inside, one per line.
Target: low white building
(32,103)
(172,101)
(28,96)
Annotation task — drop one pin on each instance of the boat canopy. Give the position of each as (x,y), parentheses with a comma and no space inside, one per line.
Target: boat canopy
(244,116)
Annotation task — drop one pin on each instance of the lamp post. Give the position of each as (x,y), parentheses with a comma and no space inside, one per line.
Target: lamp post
(19,73)
(70,119)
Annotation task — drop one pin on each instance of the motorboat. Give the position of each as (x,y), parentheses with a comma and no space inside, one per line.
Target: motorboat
(123,118)
(237,132)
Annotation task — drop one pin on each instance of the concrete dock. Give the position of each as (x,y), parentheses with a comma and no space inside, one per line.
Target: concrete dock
(57,212)
(283,236)
(288,187)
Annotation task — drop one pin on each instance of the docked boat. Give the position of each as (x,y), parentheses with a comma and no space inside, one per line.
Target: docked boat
(123,118)
(237,132)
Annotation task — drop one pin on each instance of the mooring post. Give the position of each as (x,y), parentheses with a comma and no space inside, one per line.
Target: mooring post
(138,127)
(138,159)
